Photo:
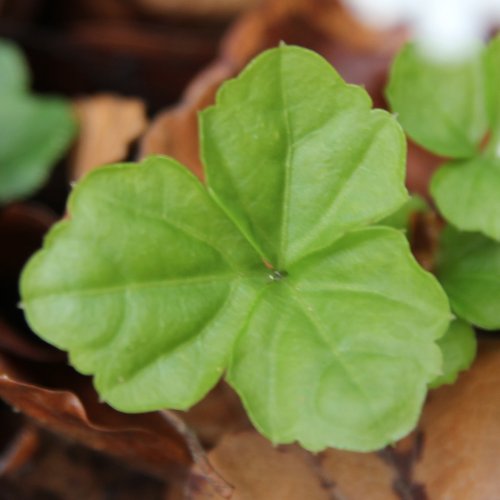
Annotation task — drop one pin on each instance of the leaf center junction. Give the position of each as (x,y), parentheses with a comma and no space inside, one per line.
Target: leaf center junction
(276,275)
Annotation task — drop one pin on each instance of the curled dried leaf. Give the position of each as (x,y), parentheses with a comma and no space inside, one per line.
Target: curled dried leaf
(74,410)
(20,449)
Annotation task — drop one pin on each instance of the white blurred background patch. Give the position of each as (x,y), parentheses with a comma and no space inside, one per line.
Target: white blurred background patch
(443,29)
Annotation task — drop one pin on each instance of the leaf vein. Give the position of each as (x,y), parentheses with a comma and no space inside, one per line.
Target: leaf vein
(163,219)
(284,229)
(127,287)
(339,194)
(324,337)
(190,338)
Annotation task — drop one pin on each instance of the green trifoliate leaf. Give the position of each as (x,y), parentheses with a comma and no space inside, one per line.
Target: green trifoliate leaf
(35,131)
(467,193)
(156,290)
(458,346)
(297,157)
(469,270)
(441,106)
(400,219)
(347,324)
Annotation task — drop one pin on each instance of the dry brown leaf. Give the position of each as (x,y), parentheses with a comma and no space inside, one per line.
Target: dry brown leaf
(108,124)
(257,470)
(461,427)
(63,401)
(20,449)
(359,476)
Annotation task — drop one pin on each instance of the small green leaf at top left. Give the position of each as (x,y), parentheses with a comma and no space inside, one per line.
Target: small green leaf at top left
(14,72)
(35,131)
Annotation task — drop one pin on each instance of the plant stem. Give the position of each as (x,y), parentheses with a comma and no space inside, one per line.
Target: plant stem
(218,483)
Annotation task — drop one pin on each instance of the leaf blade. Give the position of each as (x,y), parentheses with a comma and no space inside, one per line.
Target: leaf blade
(129,270)
(459,347)
(469,269)
(291,112)
(476,184)
(441,107)
(14,73)
(35,134)
(367,355)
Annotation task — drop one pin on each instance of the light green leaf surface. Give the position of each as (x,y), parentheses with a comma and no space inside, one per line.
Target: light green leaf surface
(458,346)
(467,193)
(156,290)
(331,162)
(469,270)
(35,131)
(328,352)
(441,106)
